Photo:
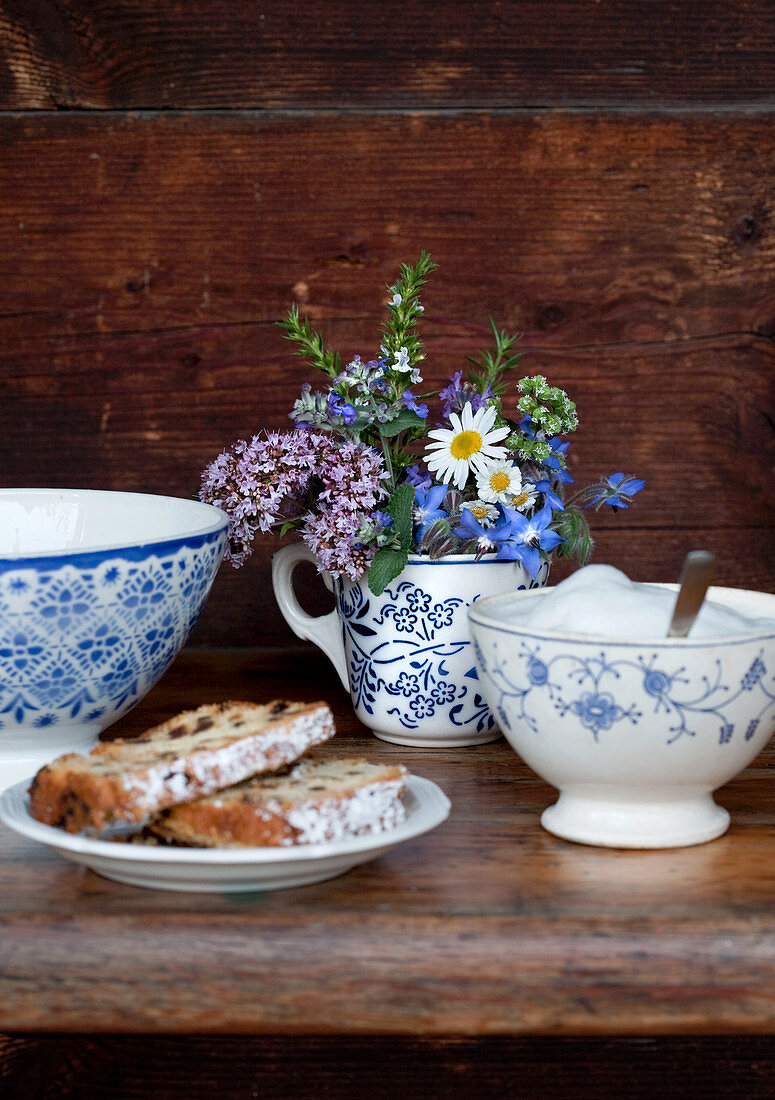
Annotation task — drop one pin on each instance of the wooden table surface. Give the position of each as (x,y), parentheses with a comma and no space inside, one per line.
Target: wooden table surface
(486,925)
(486,929)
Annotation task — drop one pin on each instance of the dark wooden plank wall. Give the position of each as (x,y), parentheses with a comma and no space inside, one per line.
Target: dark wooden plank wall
(597,176)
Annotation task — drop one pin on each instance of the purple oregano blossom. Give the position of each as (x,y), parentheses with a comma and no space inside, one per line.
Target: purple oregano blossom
(276,477)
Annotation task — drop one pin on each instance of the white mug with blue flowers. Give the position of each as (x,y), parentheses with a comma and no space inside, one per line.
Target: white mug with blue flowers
(405,656)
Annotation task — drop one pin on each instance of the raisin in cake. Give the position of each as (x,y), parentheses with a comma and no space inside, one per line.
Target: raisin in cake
(315,801)
(193,754)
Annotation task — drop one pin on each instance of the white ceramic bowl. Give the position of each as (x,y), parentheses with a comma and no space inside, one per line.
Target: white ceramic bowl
(98,593)
(635,735)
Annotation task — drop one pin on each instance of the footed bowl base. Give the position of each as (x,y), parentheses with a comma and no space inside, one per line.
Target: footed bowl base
(416,739)
(623,824)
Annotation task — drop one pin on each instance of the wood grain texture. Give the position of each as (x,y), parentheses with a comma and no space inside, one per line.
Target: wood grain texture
(83,1067)
(601,179)
(579,229)
(486,926)
(138,299)
(222,53)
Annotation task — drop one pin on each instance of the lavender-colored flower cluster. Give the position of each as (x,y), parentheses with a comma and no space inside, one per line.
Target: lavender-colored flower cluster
(352,475)
(459,393)
(280,477)
(254,482)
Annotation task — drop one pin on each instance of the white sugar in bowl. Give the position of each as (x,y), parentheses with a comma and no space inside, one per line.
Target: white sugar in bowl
(98,593)
(635,733)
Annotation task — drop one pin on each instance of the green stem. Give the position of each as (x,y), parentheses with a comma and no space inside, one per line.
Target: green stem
(388,461)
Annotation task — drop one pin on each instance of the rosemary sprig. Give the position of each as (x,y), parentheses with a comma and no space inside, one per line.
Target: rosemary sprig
(310,345)
(491,367)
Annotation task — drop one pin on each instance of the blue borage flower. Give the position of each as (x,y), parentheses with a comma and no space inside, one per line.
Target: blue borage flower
(488,536)
(616,490)
(428,508)
(544,486)
(364,478)
(528,537)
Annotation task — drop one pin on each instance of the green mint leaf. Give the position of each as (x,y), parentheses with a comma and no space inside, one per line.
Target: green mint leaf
(405,419)
(400,507)
(385,566)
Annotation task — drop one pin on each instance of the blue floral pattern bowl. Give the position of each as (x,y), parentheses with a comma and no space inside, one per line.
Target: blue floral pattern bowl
(98,593)
(635,735)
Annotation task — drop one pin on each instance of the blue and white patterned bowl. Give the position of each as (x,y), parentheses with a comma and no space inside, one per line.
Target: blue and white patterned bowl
(635,735)
(98,593)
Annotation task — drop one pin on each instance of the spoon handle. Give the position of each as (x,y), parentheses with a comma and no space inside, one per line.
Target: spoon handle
(696,575)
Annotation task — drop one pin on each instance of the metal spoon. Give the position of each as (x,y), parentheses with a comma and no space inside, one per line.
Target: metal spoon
(696,575)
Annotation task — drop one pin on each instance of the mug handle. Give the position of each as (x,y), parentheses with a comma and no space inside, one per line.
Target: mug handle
(324,630)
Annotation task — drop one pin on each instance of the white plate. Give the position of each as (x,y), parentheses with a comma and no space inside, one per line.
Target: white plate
(232,869)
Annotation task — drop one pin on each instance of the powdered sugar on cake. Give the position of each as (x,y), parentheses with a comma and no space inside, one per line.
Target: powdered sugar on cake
(191,755)
(208,770)
(225,775)
(367,812)
(316,801)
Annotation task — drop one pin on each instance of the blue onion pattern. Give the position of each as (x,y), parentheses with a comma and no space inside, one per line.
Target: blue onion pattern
(591,689)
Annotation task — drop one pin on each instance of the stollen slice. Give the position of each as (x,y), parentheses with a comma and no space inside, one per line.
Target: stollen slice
(193,754)
(314,802)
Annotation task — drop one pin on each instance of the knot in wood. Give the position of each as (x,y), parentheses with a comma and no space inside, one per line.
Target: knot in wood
(747,229)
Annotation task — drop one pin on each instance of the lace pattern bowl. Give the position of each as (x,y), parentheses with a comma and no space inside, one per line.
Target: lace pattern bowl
(98,592)
(635,735)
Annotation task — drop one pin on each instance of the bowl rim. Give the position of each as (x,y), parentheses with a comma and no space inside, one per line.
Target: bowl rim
(478,613)
(213,522)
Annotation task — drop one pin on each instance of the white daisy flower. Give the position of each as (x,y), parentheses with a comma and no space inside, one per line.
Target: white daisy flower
(499,481)
(466,446)
(524,499)
(483,513)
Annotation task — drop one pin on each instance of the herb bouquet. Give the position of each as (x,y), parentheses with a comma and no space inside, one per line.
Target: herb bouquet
(365,480)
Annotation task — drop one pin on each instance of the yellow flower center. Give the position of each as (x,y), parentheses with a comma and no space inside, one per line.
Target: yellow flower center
(465,444)
(518,499)
(479,511)
(500,481)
